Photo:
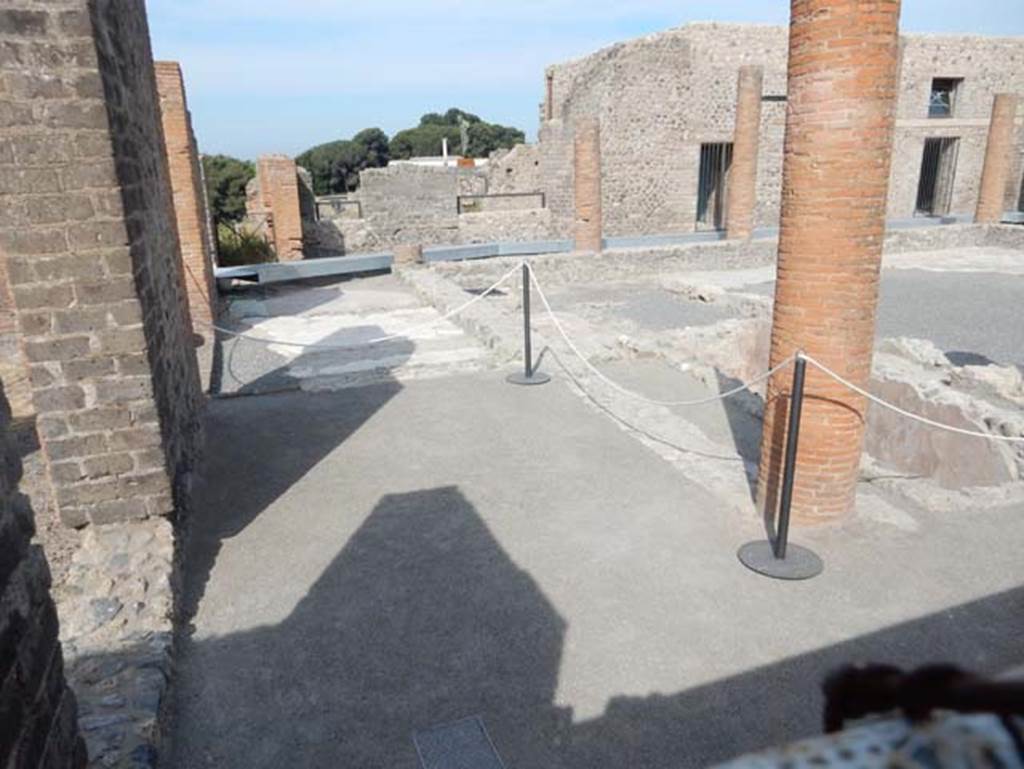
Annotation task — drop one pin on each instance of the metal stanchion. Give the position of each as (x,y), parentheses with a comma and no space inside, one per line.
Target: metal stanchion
(779,559)
(528,375)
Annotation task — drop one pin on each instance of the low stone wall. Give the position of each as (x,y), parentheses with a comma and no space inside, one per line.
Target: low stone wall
(504,226)
(519,201)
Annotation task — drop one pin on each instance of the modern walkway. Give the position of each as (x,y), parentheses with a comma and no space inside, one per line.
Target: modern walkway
(370,563)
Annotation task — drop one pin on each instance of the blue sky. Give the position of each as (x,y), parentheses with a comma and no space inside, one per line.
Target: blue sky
(283,75)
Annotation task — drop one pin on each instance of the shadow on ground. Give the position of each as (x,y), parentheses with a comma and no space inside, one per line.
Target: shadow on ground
(247,483)
(422,619)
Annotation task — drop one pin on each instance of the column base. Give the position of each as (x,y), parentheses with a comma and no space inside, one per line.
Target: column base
(520,378)
(799,563)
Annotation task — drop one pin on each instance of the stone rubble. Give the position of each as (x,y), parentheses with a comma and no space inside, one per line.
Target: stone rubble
(115,606)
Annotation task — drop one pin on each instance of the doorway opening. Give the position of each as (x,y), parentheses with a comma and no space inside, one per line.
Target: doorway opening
(712,185)
(938,169)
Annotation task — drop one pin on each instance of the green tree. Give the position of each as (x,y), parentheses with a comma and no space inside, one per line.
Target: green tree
(335,166)
(226,178)
(377,149)
(426,138)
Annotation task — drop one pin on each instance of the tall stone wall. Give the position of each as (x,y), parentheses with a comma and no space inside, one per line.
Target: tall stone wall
(38,715)
(660,97)
(189,201)
(87,229)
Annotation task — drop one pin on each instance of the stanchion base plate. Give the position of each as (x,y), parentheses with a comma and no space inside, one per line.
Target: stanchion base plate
(520,378)
(799,563)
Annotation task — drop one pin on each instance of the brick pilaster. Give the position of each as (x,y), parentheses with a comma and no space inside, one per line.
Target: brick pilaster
(842,92)
(279,190)
(189,201)
(587,186)
(743,173)
(998,161)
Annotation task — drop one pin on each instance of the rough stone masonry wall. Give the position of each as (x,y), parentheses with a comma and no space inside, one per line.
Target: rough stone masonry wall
(87,229)
(38,714)
(988,65)
(189,201)
(659,97)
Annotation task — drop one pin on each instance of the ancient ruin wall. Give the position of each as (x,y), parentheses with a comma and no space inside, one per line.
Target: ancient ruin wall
(515,170)
(38,715)
(87,228)
(659,97)
(988,65)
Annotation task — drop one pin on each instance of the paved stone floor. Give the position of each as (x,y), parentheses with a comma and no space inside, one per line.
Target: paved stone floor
(385,559)
(342,316)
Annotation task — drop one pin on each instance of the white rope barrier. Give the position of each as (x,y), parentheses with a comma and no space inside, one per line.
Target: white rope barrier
(411,331)
(626,391)
(910,415)
(406,334)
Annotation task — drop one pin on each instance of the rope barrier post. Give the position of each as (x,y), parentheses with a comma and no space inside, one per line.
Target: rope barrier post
(529,376)
(779,559)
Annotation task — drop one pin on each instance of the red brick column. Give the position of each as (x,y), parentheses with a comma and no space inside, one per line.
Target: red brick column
(279,189)
(992,190)
(743,174)
(842,91)
(189,201)
(587,161)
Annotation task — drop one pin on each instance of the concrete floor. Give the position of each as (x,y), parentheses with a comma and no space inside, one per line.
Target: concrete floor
(372,562)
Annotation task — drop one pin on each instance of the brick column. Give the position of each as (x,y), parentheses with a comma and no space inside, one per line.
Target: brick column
(992,190)
(587,186)
(743,174)
(189,200)
(91,247)
(279,190)
(842,91)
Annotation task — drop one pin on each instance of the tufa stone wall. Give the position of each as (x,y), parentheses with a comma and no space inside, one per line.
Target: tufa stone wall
(660,97)
(189,201)
(91,248)
(38,714)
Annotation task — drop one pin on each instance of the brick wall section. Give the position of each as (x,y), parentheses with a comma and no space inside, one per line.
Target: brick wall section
(87,229)
(279,189)
(38,716)
(189,200)
(842,88)
(998,160)
(587,186)
(743,174)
